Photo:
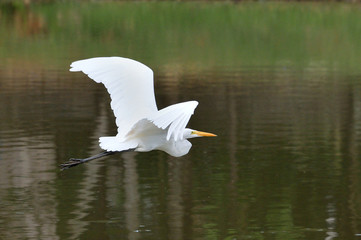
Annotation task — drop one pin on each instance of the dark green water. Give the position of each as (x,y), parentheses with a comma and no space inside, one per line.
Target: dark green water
(285,164)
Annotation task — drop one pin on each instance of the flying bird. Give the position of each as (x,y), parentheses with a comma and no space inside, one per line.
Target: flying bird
(141,126)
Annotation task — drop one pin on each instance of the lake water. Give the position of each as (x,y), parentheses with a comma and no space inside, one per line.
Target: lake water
(285,165)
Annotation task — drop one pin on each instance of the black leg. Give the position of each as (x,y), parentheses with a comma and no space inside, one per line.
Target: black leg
(76,161)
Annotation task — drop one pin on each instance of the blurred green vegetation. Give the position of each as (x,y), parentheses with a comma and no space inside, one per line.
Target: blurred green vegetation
(204,35)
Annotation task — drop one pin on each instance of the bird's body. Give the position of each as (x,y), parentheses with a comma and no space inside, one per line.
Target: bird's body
(141,126)
(145,137)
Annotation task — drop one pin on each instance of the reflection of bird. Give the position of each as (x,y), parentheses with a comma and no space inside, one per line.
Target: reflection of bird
(141,126)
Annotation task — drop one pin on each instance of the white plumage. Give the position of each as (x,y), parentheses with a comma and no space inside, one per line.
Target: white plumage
(140,125)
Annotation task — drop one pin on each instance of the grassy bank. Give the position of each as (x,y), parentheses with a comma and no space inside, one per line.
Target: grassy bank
(201,34)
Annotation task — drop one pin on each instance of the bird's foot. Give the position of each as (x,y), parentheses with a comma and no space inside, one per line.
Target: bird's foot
(76,161)
(72,163)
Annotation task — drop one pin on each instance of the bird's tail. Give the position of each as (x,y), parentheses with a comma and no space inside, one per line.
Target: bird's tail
(115,144)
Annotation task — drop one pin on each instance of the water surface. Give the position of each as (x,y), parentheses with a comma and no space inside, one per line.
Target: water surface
(285,164)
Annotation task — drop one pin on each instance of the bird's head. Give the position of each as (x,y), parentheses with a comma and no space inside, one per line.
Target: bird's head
(191,133)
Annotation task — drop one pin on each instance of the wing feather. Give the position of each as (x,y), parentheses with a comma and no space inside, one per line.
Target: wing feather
(175,118)
(129,83)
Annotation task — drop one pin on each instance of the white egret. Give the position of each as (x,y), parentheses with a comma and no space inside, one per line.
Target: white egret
(141,126)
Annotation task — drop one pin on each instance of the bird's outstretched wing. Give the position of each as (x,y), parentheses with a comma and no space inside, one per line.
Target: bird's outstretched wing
(175,117)
(129,83)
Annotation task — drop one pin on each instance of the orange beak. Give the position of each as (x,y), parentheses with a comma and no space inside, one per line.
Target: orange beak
(204,134)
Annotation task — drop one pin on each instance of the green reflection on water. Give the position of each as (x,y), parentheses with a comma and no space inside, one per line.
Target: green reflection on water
(197,34)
